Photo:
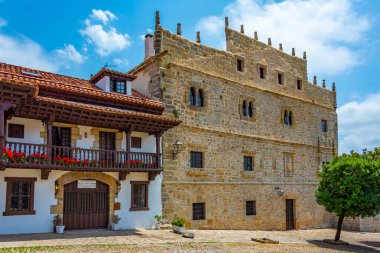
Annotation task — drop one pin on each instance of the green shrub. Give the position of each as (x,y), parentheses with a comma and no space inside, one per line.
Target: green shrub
(178,221)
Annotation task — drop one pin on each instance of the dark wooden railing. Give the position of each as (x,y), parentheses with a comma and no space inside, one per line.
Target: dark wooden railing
(43,156)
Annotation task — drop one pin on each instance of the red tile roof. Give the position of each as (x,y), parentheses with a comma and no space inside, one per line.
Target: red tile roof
(12,73)
(105,71)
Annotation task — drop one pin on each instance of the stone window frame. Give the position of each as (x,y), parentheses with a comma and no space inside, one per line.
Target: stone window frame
(146,184)
(10,180)
(282,74)
(197,86)
(265,71)
(292,155)
(254,109)
(252,163)
(197,148)
(299,79)
(282,117)
(324,125)
(119,136)
(242,60)
(254,208)
(201,216)
(75,133)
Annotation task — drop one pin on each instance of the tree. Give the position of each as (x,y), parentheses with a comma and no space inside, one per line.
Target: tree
(350,186)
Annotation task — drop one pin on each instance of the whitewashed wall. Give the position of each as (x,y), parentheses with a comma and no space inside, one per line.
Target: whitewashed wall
(33,129)
(44,196)
(42,221)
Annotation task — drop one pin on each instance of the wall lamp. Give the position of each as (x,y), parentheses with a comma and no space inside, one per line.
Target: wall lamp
(118,187)
(280,191)
(177,146)
(57,187)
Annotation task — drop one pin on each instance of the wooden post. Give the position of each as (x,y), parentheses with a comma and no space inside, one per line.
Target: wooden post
(49,130)
(158,149)
(128,134)
(2,133)
(3,107)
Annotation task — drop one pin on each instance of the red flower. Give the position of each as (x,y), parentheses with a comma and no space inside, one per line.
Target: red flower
(86,161)
(9,153)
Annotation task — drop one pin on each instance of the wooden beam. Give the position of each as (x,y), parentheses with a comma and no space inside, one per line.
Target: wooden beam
(45,174)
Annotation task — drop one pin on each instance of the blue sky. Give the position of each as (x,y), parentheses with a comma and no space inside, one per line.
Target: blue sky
(78,37)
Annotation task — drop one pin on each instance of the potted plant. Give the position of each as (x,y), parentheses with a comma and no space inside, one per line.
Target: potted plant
(157,225)
(178,225)
(58,224)
(115,222)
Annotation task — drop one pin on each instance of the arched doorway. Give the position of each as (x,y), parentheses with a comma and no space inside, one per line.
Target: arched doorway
(86,206)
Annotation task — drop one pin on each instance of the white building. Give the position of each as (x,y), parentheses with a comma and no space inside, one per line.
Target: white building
(82,149)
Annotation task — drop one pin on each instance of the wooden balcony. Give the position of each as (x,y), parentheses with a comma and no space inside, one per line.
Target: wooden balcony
(47,158)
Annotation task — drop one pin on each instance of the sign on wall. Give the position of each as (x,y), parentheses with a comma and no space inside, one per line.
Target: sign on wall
(86,184)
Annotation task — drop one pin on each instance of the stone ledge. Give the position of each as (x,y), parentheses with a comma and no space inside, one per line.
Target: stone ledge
(198,173)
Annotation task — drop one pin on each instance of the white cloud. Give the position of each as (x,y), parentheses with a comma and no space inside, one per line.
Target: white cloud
(25,52)
(69,54)
(3,22)
(326,29)
(104,37)
(121,62)
(359,124)
(104,16)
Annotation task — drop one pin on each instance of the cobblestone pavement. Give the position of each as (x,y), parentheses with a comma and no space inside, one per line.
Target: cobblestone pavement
(205,241)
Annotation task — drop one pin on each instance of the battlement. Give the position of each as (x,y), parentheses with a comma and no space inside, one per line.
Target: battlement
(254,56)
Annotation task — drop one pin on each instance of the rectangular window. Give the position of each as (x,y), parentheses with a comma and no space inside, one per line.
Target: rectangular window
(139,196)
(262,72)
(248,163)
(280,78)
(19,196)
(15,131)
(196,159)
(135,142)
(324,125)
(250,207)
(239,65)
(199,211)
(299,84)
(117,86)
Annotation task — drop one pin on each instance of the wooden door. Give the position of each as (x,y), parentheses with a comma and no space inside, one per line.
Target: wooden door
(85,208)
(107,142)
(289,214)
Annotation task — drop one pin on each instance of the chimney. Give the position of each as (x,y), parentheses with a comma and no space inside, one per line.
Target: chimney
(333,86)
(315,80)
(179,30)
(158,21)
(256,36)
(198,37)
(242,29)
(324,83)
(281,49)
(269,42)
(149,51)
(226,22)
(304,55)
(293,51)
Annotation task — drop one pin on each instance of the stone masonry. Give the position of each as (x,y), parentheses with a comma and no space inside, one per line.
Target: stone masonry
(284,157)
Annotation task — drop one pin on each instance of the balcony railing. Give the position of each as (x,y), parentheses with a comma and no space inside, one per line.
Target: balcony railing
(26,155)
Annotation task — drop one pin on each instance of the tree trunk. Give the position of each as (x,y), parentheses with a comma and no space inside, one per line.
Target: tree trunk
(339,228)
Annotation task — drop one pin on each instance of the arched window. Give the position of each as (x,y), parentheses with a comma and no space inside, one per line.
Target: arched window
(245,108)
(192,96)
(200,98)
(250,110)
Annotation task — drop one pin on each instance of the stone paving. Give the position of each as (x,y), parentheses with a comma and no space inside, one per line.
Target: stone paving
(311,239)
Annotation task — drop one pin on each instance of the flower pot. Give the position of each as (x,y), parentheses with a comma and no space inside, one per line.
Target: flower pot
(59,229)
(115,226)
(178,230)
(157,226)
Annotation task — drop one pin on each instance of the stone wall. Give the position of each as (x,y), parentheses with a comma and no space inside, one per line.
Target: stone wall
(286,157)
(370,224)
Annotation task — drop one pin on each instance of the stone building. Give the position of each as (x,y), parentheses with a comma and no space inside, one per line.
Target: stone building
(254,131)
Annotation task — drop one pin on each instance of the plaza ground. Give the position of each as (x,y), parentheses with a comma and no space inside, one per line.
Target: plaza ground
(204,241)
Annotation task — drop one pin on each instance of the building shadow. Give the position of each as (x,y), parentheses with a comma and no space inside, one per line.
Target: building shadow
(72,234)
(347,248)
